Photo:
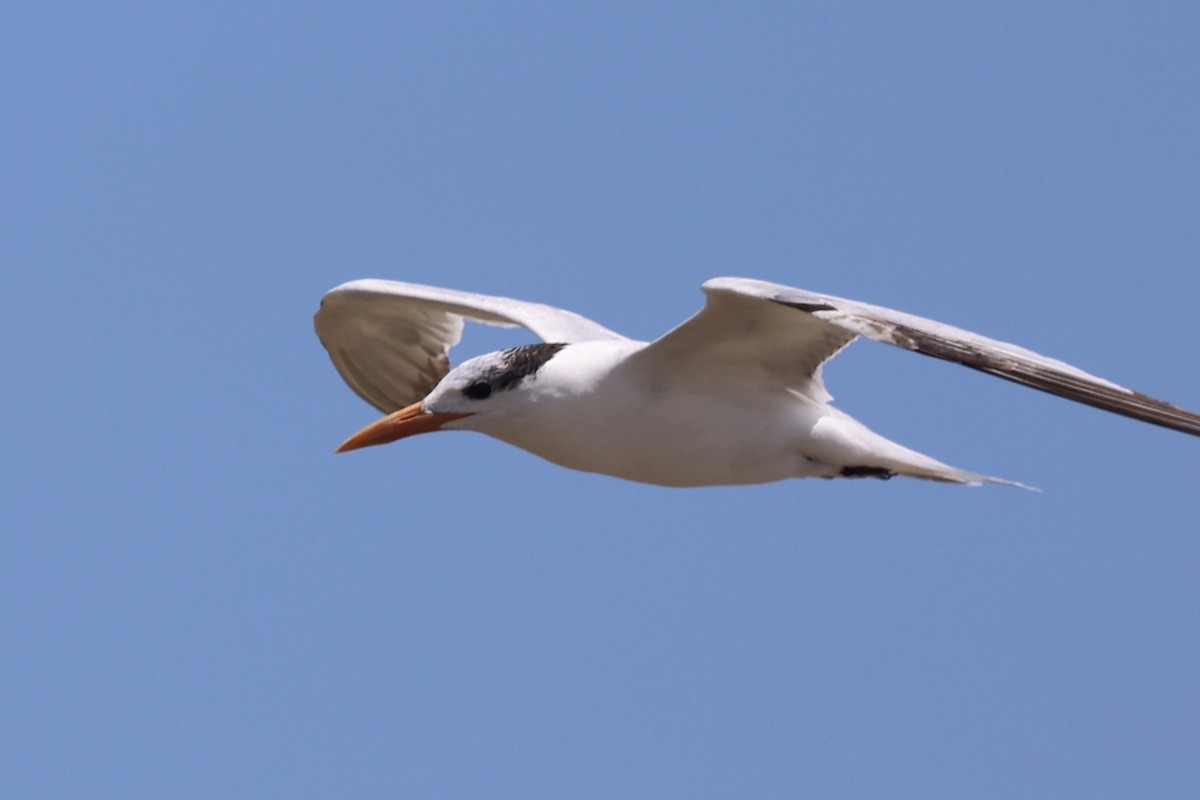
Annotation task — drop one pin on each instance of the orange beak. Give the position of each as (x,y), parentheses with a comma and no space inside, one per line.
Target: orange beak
(406,422)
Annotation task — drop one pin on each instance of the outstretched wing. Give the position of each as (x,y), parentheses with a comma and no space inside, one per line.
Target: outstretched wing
(743,319)
(390,341)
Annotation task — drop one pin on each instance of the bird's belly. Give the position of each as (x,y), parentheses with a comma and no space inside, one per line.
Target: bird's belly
(684,443)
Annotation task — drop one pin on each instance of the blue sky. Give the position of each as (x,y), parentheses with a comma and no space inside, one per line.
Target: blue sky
(200,600)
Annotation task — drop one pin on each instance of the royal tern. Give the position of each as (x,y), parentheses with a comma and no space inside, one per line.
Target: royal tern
(734,395)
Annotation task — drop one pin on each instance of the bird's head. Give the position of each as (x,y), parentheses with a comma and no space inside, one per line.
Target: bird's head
(494,385)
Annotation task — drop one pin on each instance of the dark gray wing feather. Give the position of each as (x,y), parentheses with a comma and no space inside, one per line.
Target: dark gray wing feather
(946,342)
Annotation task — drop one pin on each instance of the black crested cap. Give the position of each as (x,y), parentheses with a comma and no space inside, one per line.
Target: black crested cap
(518,363)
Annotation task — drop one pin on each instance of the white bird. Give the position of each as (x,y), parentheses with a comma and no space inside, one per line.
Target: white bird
(734,395)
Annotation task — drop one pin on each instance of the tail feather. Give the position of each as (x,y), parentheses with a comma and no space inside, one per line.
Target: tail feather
(862,452)
(947,474)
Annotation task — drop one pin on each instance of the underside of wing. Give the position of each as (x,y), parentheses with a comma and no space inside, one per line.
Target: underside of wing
(390,341)
(949,343)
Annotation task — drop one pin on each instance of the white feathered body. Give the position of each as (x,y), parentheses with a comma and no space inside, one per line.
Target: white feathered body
(594,408)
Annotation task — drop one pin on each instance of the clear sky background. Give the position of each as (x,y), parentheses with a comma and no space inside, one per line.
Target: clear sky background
(199,600)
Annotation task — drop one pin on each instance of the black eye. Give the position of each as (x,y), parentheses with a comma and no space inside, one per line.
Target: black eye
(479,390)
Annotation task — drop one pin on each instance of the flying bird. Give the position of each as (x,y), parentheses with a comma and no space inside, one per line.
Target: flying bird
(734,395)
